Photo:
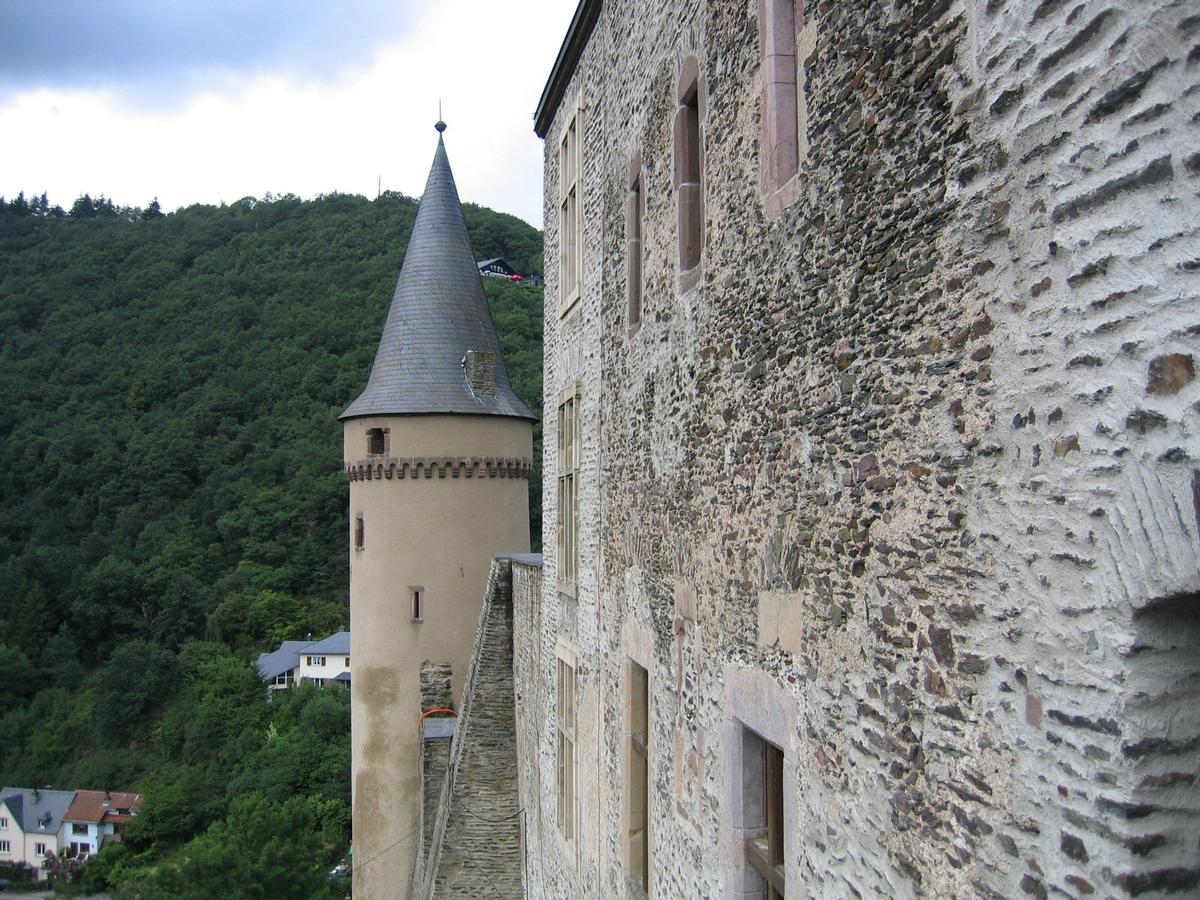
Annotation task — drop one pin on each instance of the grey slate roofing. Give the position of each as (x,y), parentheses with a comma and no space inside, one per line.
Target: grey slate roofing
(438,313)
(41,816)
(337,644)
(286,658)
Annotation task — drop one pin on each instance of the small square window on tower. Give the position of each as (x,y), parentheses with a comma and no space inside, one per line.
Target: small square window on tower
(416,603)
(377,441)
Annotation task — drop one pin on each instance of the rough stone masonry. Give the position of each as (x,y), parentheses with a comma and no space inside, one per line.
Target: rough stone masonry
(908,481)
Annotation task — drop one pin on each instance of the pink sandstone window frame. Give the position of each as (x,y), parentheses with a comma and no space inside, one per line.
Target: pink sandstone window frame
(570,212)
(689,173)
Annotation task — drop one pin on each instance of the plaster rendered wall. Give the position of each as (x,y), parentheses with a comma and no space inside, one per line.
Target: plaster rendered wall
(437,531)
(916,456)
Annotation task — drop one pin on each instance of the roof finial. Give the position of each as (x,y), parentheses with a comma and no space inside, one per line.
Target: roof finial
(440,125)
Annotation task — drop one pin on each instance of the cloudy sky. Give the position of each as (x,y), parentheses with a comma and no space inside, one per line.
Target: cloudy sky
(213,100)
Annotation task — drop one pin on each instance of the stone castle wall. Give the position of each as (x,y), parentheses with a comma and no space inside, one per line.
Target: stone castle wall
(909,478)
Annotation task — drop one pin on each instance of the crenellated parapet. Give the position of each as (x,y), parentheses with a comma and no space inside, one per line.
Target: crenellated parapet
(439,466)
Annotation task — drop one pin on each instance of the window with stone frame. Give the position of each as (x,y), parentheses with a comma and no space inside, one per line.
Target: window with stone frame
(689,174)
(360,532)
(570,210)
(637,790)
(635,215)
(763,812)
(565,781)
(568,489)
(377,441)
(778,20)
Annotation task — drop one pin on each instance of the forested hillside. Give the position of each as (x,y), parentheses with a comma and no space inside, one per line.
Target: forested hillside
(172,502)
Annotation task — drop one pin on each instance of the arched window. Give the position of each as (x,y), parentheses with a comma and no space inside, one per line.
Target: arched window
(689,169)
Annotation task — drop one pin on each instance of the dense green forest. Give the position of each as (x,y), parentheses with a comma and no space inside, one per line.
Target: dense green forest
(172,503)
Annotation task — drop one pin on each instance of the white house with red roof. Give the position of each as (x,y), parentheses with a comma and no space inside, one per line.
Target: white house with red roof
(95,818)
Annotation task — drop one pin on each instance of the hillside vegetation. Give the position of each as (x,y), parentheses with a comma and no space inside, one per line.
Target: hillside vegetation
(172,502)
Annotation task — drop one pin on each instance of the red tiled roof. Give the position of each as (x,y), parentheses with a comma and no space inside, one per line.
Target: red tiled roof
(89,806)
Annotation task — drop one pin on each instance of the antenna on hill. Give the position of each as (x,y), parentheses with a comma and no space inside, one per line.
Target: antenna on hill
(378,186)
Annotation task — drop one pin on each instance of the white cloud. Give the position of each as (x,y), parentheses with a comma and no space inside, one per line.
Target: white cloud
(487,61)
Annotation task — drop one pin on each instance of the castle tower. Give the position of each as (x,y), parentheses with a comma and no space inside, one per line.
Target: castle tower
(437,449)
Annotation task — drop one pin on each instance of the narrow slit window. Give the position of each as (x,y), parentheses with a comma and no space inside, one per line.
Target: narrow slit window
(635,212)
(568,490)
(689,173)
(416,600)
(570,222)
(781,137)
(638,788)
(360,532)
(565,756)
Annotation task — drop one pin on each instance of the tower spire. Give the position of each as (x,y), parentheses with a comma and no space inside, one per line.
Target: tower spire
(439,321)
(440,125)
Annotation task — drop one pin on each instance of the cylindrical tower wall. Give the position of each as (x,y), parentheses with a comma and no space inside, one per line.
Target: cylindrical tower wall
(446,494)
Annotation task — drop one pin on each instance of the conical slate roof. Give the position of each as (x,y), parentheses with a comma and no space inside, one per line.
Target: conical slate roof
(439,327)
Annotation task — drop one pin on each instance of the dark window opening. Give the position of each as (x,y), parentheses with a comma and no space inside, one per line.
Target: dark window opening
(635,212)
(377,441)
(416,599)
(360,535)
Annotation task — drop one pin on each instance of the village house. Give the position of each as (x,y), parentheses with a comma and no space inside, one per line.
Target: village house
(32,825)
(321,662)
(95,818)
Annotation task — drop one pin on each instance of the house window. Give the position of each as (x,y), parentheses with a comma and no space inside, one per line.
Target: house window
(762,801)
(568,489)
(565,727)
(77,828)
(570,219)
(360,532)
(3,823)
(635,213)
(281,680)
(416,603)
(347,662)
(781,138)
(316,661)
(377,441)
(5,847)
(689,168)
(638,796)
(39,848)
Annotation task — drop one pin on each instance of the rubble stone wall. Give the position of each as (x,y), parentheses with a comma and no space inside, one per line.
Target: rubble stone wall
(917,454)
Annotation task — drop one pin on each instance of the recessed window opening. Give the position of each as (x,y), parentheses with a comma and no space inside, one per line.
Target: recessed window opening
(688,168)
(377,441)
(416,605)
(360,534)
(781,138)
(638,788)
(635,212)
(568,490)
(763,815)
(570,221)
(565,755)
